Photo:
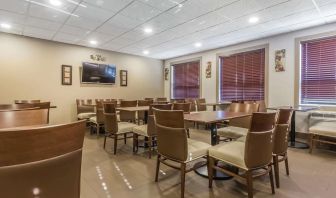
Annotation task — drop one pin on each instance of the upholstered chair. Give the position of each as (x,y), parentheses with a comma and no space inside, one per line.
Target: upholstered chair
(141,114)
(201,104)
(84,109)
(174,146)
(127,116)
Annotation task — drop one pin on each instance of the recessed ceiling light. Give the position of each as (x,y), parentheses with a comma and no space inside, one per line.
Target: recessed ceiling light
(55,2)
(145,52)
(93,42)
(148,30)
(253,19)
(180,5)
(198,44)
(5,25)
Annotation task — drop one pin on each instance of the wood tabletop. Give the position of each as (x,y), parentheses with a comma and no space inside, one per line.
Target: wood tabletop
(138,108)
(295,108)
(209,117)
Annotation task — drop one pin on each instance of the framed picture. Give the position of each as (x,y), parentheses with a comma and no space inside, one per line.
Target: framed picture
(123,78)
(280,59)
(66,75)
(166,73)
(208,70)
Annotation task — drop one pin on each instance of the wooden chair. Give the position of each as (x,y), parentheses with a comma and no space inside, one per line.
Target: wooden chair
(141,114)
(174,146)
(252,156)
(126,116)
(200,102)
(97,121)
(185,107)
(161,99)
(43,105)
(41,161)
(237,127)
(21,118)
(113,128)
(6,107)
(148,130)
(262,104)
(177,100)
(84,112)
(192,102)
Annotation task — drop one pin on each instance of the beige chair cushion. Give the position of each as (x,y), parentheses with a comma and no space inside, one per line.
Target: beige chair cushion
(141,130)
(93,119)
(232,153)
(242,139)
(125,127)
(232,132)
(83,116)
(325,128)
(197,149)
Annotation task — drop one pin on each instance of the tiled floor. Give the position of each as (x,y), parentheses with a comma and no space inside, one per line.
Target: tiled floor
(126,175)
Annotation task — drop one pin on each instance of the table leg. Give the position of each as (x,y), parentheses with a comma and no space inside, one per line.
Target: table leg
(203,171)
(293,143)
(214,108)
(145,117)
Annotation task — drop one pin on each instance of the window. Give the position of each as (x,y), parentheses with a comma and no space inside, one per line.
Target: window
(242,76)
(186,80)
(318,72)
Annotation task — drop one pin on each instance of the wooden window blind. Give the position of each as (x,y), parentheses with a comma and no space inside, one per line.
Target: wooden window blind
(242,76)
(186,80)
(318,71)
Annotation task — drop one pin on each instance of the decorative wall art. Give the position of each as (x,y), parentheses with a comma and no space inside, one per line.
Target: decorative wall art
(66,75)
(97,57)
(280,59)
(208,70)
(123,78)
(166,73)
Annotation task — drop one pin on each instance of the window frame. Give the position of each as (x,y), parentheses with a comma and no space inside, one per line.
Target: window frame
(242,50)
(171,65)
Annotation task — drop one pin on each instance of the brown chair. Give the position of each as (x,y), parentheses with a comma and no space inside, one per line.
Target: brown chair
(6,107)
(201,104)
(113,128)
(173,144)
(262,104)
(22,118)
(149,99)
(43,105)
(85,109)
(26,101)
(185,107)
(141,114)
(237,127)
(97,121)
(148,130)
(252,156)
(41,162)
(192,102)
(127,116)
(161,99)
(177,100)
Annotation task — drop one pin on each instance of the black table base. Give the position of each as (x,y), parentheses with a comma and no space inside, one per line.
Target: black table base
(298,145)
(218,175)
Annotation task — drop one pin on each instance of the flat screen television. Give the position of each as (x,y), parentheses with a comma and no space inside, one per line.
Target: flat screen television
(98,73)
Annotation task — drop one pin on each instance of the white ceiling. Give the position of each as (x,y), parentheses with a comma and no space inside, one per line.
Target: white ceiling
(118,25)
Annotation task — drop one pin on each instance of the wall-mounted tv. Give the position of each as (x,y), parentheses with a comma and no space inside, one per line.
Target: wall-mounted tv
(98,73)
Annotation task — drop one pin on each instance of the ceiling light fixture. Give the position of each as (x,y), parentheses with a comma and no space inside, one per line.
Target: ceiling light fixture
(198,44)
(93,42)
(51,7)
(148,30)
(5,25)
(253,19)
(145,52)
(55,2)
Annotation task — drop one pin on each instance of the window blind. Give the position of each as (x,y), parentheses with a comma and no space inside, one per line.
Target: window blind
(318,71)
(242,76)
(186,80)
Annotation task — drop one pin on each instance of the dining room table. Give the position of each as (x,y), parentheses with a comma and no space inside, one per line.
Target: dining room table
(212,118)
(293,143)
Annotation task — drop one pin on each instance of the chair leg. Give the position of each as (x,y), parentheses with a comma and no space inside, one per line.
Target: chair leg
(311,143)
(271,179)
(211,163)
(249,181)
(134,142)
(104,141)
(125,138)
(157,167)
(286,164)
(115,144)
(150,143)
(183,173)
(98,128)
(188,133)
(276,170)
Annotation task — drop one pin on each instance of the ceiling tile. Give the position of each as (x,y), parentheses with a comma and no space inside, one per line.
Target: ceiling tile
(140,11)
(38,32)
(41,23)
(113,5)
(163,4)
(66,38)
(17,6)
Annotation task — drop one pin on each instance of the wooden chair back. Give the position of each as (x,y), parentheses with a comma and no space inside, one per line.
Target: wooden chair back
(19,118)
(201,104)
(42,162)
(26,101)
(185,107)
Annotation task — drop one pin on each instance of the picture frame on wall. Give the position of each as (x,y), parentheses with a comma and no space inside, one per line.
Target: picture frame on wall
(66,75)
(123,78)
(280,59)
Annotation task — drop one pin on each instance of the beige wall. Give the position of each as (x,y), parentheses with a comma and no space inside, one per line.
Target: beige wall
(31,69)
